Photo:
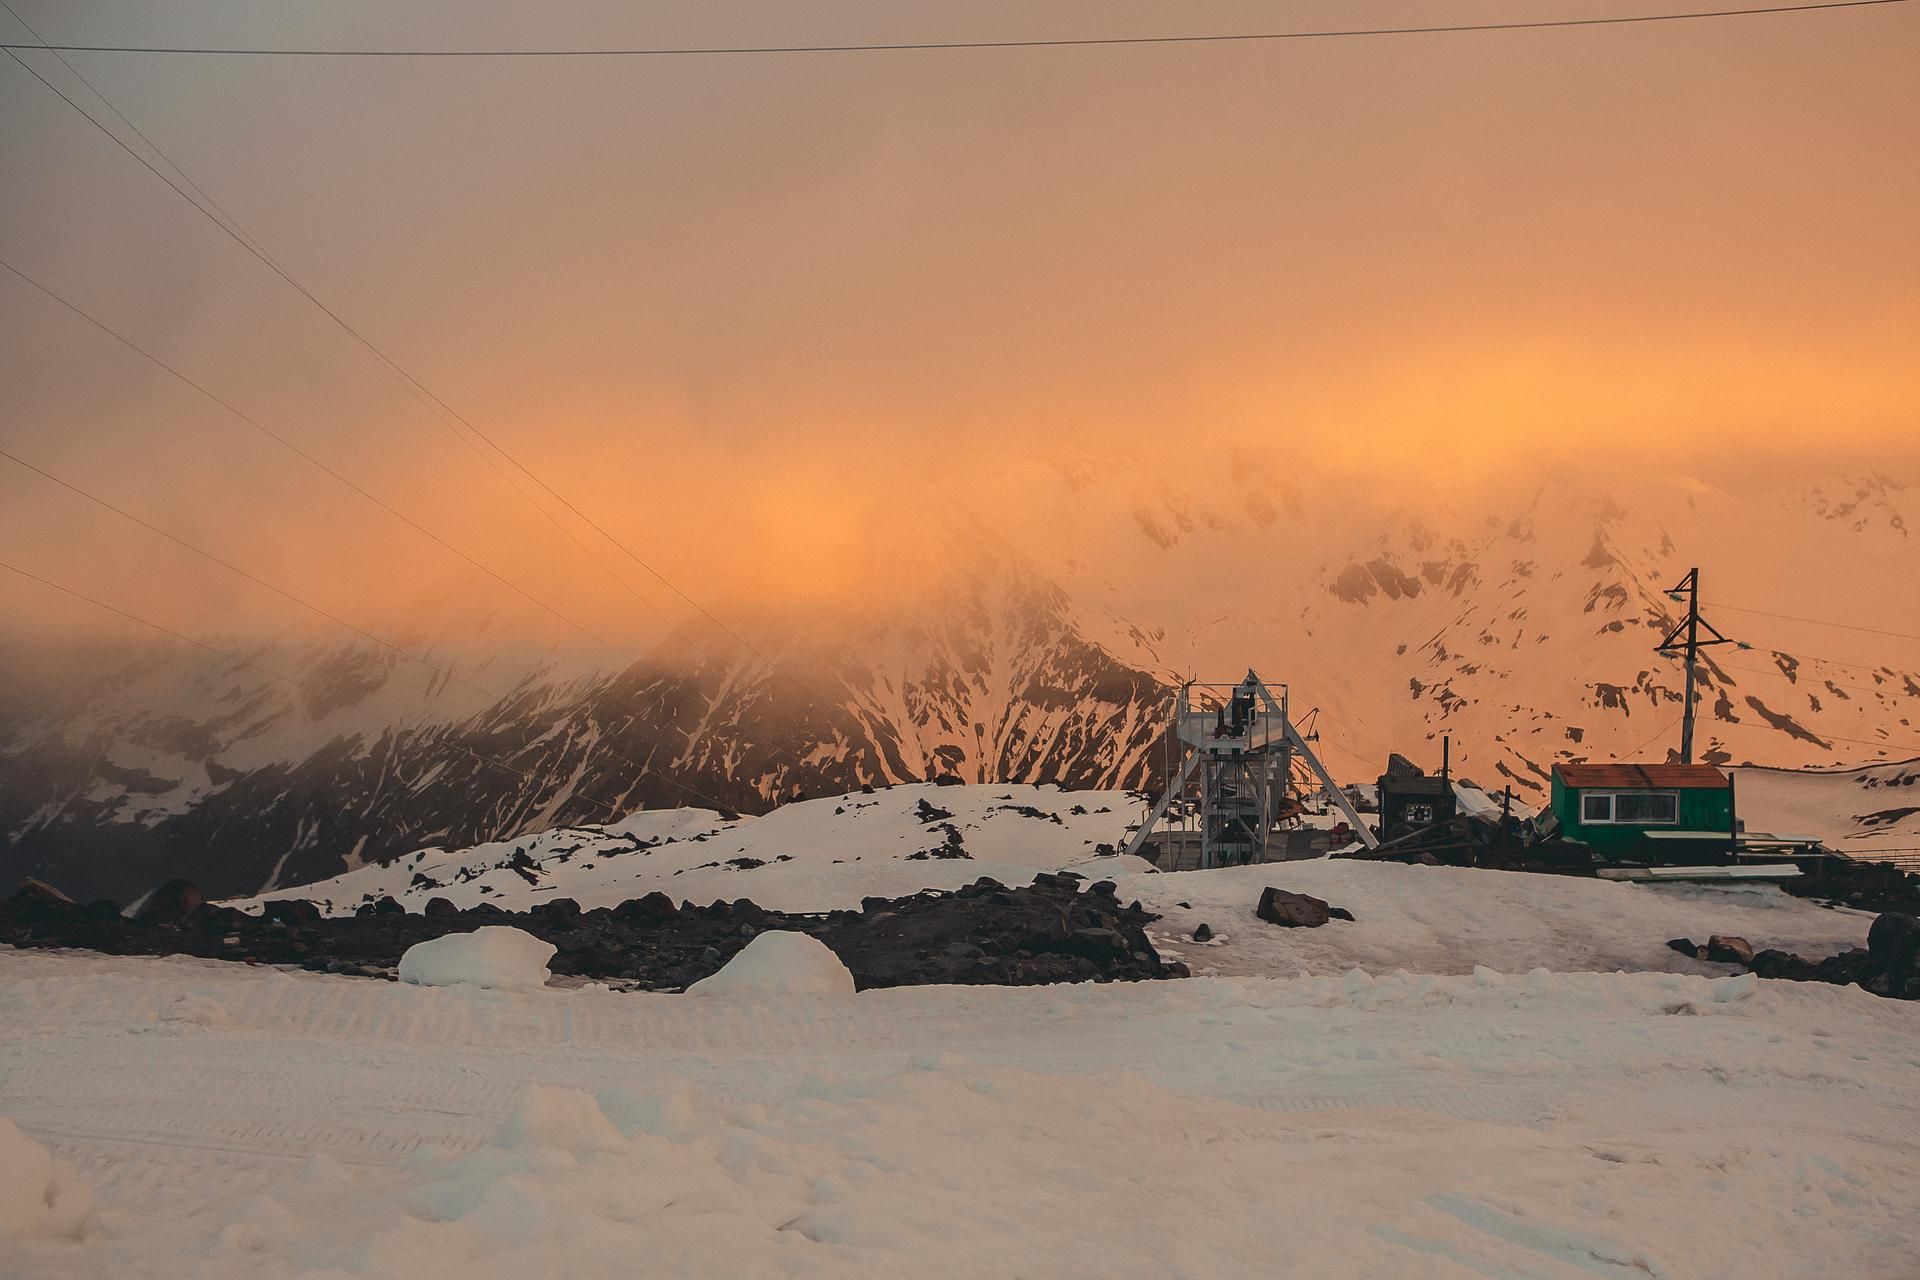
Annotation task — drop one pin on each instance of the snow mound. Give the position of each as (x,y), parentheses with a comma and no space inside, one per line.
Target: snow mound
(561,1118)
(493,956)
(37,1195)
(779,963)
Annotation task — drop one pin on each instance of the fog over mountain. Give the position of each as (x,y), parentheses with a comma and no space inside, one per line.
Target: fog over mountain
(1524,630)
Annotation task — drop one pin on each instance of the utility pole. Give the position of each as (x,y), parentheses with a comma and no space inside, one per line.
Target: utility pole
(1691,626)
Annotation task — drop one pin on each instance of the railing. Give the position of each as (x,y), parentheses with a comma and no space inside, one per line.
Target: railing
(1905,859)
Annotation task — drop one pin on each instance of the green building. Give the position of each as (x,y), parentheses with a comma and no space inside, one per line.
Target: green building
(1650,813)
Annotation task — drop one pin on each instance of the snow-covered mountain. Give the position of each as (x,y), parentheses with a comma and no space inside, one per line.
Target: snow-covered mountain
(178,764)
(1519,619)
(821,854)
(1523,622)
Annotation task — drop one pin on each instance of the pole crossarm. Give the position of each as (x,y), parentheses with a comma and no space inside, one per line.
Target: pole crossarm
(1689,648)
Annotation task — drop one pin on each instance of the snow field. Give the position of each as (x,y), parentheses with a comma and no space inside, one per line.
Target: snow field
(815,855)
(841,849)
(1447,920)
(1551,1127)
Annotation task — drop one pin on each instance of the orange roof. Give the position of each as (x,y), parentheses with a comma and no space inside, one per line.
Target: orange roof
(1642,777)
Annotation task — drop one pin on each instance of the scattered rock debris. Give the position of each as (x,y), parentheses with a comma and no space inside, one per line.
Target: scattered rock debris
(985,933)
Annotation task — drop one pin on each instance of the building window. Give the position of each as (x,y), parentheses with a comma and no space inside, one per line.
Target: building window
(1640,808)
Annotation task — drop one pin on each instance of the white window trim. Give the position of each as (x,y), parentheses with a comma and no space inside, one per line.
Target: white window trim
(1612,797)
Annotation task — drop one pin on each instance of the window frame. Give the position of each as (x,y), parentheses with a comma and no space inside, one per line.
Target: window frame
(1613,795)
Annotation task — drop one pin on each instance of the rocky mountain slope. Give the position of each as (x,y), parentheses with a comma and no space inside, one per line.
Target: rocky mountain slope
(1522,622)
(1519,620)
(177,765)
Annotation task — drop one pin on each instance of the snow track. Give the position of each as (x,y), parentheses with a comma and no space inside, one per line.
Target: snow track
(239,1122)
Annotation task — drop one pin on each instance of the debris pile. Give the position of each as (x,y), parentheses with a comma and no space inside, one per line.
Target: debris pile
(1050,931)
(1471,840)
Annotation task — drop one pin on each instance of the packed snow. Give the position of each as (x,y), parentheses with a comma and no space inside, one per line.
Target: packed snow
(491,956)
(1365,1124)
(813,855)
(1484,1074)
(838,850)
(779,963)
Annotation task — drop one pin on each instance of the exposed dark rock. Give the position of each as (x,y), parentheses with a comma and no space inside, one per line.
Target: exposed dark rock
(41,894)
(1889,965)
(293,911)
(1204,933)
(654,906)
(1044,933)
(170,903)
(1293,910)
(437,907)
(1728,949)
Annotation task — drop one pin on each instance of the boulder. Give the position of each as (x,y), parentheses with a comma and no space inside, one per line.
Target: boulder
(558,910)
(1728,949)
(655,906)
(1204,933)
(170,903)
(440,907)
(40,893)
(38,900)
(1893,939)
(1684,946)
(1293,910)
(291,911)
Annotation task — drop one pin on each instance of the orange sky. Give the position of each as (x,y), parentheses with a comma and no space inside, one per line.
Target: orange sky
(758,314)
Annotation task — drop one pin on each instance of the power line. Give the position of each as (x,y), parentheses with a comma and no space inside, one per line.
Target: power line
(1774,671)
(1662,731)
(934,45)
(121,117)
(443,411)
(234,568)
(226,223)
(1821,622)
(1823,737)
(309,458)
(248,662)
(643,770)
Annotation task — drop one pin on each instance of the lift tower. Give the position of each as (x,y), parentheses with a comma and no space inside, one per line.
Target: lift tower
(1228,789)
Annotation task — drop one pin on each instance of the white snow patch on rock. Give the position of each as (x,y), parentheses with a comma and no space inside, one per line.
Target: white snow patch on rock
(38,1195)
(779,963)
(493,956)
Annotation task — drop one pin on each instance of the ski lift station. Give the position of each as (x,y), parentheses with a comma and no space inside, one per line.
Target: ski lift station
(1229,798)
